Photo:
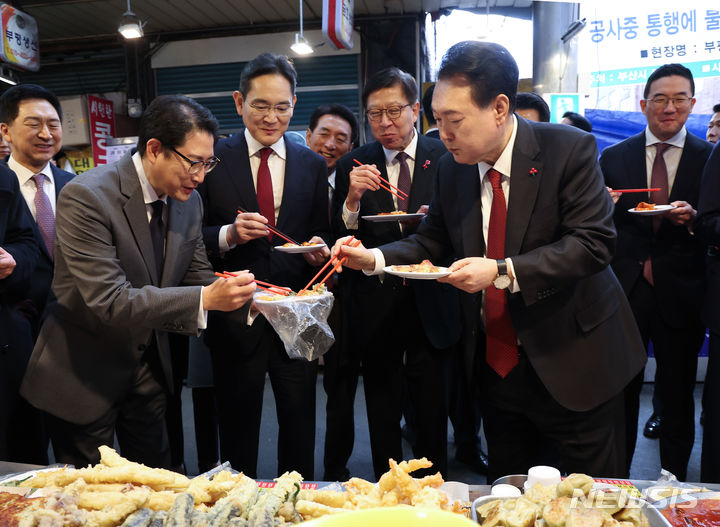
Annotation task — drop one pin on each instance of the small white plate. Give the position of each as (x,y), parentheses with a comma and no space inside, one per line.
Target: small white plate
(295,249)
(659,209)
(379,218)
(444,271)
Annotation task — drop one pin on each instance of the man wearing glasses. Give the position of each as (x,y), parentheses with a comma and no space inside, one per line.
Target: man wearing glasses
(283,185)
(658,260)
(386,315)
(130,266)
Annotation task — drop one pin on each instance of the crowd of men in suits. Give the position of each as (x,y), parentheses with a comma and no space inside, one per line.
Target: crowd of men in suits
(556,288)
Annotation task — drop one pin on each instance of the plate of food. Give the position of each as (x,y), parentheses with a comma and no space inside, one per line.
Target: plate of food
(305,247)
(425,270)
(395,215)
(650,209)
(691,508)
(312,294)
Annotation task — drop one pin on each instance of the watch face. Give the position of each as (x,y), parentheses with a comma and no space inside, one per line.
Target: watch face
(502,281)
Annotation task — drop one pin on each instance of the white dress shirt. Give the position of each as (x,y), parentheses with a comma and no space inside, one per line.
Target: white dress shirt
(149,197)
(27,184)
(672,155)
(276,164)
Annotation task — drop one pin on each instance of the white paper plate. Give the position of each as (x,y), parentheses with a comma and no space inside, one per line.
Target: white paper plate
(379,218)
(300,248)
(659,209)
(418,276)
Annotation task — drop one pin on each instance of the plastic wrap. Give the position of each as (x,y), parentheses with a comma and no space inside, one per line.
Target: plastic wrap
(300,322)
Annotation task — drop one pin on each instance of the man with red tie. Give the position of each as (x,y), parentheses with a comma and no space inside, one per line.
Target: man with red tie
(552,342)
(31,124)
(659,261)
(280,184)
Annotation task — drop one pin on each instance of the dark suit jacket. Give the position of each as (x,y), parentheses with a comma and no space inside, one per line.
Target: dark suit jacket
(707,229)
(303,214)
(677,255)
(570,315)
(437,304)
(38,288)
(109,302)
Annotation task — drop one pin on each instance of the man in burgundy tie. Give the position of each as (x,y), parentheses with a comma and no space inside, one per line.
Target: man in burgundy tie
(658,260)
(554,373)
(284,185)
(31,124)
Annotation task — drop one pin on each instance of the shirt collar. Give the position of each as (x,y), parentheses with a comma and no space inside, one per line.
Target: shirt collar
(410,150)
(254,146)
(331,179)
(149,194)
(677,140)
(504,162)
(24,174)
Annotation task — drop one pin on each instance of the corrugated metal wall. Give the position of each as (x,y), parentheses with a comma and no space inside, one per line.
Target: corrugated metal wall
(320,80)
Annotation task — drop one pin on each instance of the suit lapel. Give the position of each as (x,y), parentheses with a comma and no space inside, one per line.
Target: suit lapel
(175,237)
(470,205)
(292,184)
(422,176)
(242,180)
(636,165)
(136,214)
(683,184)
(527,170)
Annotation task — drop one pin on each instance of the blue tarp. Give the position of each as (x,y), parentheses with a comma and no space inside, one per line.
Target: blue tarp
(611,127)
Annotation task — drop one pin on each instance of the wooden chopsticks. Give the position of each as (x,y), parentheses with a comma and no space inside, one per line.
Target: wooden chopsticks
(387,182)
(274,230)
(342,261)
(350,241)
(272,288)
(623,190)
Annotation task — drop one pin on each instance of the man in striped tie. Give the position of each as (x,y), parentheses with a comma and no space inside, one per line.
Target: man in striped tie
(31,124)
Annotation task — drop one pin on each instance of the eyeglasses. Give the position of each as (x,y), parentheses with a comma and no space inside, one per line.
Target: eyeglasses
(393,113)
(663,101)
(281,110)
(196,166)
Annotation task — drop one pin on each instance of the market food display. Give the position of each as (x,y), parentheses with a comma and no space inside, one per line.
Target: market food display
(118,492)
(644,206)
(425,266)
(571,503)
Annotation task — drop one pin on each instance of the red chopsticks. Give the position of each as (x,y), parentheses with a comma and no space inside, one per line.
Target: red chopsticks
(349,241)
(279,290)
(386,188)
(274,230)
(623,190)
(342,261)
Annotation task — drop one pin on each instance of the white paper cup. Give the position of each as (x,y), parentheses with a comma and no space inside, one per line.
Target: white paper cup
(546,476)
(503,490)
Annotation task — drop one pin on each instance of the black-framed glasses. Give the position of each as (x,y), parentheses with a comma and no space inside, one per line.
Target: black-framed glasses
(678,102)
(282,109)
(393,112)
(196,166)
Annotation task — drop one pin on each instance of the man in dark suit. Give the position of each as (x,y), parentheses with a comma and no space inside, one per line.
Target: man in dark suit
(30,122)
(384,314)
(707,229)
(19,253)
(561,340)
(130,265)
(432,130)
(284,185)
(658,260)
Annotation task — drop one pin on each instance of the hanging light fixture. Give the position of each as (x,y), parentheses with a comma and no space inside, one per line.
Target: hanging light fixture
(130,24)
(301,45)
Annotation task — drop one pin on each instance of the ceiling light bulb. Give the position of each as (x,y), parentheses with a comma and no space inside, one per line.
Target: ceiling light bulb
(301,46)
(130,25)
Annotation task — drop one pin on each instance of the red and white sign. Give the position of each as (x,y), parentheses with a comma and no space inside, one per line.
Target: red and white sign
(102,127)
(19,39)
(338,20)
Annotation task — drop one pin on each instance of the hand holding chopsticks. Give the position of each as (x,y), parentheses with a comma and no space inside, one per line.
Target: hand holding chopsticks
(352,242)
(276,289)
(252,229)
(230,294)
(364,178)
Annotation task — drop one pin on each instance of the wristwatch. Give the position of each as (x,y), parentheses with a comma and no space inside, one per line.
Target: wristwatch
(502,280)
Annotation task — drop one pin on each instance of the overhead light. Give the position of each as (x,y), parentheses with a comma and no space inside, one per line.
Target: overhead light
(130,24)
(573,30)
(301,45)
(7,76)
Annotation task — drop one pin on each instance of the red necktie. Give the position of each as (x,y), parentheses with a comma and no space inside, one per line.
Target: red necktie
(658,179)
(266,200)
(44,214)
(501,351)
(404,181)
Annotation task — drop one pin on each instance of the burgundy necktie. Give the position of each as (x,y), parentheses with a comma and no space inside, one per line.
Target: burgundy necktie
(658,179)
(501,353)
(266,200)
(404,181)
(44,214)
